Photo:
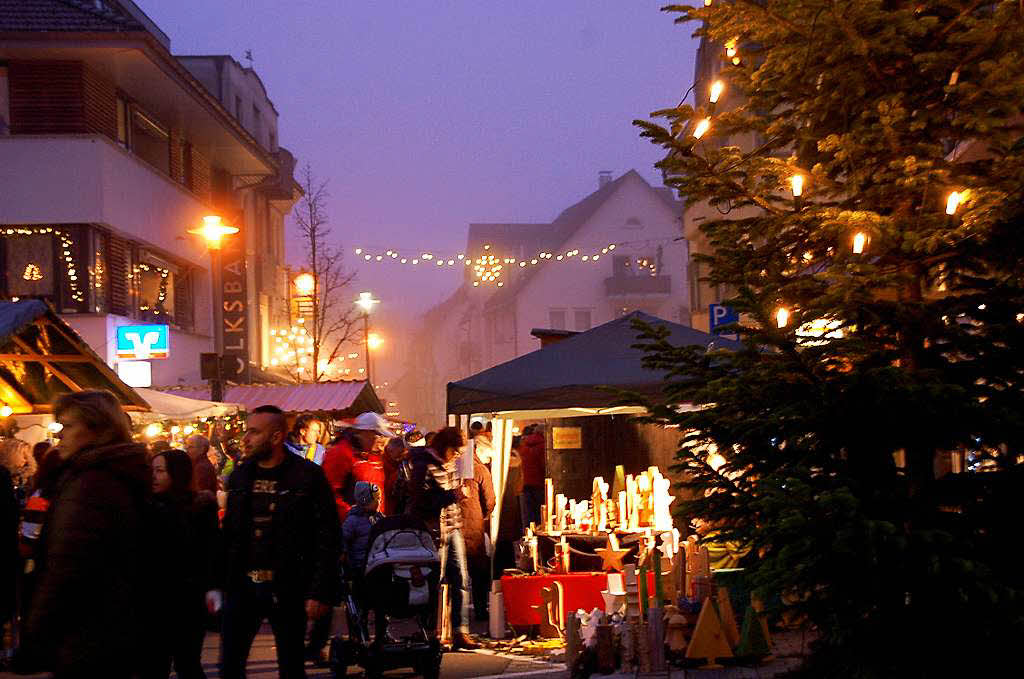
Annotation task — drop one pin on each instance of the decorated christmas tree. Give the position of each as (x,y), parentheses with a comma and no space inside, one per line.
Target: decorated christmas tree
(864,165)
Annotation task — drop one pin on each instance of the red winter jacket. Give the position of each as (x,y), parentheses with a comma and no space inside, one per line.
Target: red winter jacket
(338,462)
(531,452)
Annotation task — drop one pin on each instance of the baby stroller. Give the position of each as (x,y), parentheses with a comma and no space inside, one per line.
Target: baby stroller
(400,581)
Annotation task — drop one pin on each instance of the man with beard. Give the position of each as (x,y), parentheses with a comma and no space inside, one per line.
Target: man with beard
(281,536)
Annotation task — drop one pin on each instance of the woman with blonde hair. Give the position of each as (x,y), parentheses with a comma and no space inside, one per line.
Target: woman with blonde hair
(87,612)
(16,456)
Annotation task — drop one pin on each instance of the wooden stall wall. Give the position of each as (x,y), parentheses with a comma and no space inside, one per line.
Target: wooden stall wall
(608,441)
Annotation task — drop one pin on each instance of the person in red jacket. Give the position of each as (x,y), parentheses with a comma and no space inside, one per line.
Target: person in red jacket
(355,448)
(531,452)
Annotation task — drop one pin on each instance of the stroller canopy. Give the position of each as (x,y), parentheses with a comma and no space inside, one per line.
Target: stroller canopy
(400,540)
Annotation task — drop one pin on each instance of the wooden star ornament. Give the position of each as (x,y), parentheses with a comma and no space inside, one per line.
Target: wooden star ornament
(611,555)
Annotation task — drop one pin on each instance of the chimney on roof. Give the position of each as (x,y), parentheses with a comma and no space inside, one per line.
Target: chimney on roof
(604,177)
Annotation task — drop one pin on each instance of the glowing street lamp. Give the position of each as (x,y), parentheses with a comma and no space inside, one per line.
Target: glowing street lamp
(366,302)
(305,284)
(374,341)
(213,231)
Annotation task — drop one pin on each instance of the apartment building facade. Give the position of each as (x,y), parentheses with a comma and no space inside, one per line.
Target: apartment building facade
(630,255)
(111,151)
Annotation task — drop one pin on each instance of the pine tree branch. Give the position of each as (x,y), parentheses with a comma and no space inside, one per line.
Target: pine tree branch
(860,44)
(783,21)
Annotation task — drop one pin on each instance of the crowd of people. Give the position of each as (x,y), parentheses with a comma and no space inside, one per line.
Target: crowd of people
(125,555)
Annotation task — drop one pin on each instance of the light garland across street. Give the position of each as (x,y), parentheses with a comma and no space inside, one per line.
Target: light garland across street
(490,267)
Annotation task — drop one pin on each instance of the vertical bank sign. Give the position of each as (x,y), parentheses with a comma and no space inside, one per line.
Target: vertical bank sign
(236,331)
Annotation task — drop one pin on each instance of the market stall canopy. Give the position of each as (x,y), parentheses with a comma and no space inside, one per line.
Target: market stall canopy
(571,378)
(175,407)
(42,357)
(344,398)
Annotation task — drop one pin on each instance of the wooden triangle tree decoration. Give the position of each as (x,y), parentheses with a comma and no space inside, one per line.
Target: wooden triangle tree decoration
(753,642)
(727,617)
(708,638)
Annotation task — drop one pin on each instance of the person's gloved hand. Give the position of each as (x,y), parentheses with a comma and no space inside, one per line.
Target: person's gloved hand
(214,601)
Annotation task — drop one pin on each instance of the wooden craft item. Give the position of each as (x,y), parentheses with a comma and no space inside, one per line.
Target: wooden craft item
(632,601)
(659,587)
(562,556)
(656,638)
(708,640)
(589,625)
(753,642)
(619,482)
(644,597)
(622,512)
(611,555)
(662,498)
(605,648)
(675,633)
(628,647)
(573,640)
(643,648)
(560,512)
(598,496)
(758,606)
(549,502)
(552,611)
(613,601)
(727,617)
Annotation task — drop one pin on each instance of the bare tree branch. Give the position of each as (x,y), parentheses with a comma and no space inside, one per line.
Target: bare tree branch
(334,320)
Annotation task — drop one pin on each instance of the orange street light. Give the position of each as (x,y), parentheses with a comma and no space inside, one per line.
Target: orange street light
(213,231)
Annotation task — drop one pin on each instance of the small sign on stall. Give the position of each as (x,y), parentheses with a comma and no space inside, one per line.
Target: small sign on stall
(567,438)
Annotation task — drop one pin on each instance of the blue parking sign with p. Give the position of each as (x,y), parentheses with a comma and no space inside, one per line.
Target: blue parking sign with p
(721,315)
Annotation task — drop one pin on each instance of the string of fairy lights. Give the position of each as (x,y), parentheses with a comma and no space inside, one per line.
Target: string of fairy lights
(490,267)
(701,125)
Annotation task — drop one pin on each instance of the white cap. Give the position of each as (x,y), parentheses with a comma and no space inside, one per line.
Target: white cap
(372,422)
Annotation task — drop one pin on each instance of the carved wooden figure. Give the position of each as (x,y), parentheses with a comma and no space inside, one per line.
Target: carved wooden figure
(552,611)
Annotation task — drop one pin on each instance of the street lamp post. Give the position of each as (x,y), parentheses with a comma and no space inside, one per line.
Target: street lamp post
(213,231)
(366,302)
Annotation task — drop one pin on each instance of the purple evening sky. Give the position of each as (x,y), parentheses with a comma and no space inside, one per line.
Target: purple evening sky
(425,116)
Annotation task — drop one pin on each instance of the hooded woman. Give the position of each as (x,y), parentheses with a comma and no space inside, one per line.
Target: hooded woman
(87,616)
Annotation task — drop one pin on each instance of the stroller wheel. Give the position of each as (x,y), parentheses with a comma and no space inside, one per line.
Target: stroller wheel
(338,657)
(430,667)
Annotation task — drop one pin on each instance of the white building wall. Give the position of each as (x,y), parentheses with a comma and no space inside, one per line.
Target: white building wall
(88,179)
(181,367)
(581,285)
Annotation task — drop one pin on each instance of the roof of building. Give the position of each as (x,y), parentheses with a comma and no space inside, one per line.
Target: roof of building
(45,358)
(345,397)
(579,371)
(557,234)
(65,15)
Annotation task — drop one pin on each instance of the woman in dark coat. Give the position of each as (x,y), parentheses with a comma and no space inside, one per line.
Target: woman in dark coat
(88,612)
(477,506)
(191,542)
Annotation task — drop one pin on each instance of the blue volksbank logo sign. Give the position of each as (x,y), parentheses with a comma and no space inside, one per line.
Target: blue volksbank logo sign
(143,342)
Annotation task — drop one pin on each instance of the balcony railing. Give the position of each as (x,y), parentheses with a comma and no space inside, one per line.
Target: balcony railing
(622,286)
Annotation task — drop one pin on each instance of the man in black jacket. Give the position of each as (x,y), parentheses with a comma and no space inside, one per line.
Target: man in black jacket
(282,542)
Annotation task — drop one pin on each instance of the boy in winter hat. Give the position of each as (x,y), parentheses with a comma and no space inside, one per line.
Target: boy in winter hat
(355,532)
(355,539)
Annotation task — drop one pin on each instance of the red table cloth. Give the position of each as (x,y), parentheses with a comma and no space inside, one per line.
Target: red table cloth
(582,590)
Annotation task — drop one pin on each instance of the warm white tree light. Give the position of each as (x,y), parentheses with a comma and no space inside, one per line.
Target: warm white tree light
(703,126)
(860,239)
(717,88)
(796,183)
(782,317)
(953,202)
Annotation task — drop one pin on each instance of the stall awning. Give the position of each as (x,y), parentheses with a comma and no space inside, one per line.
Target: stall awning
(175,407)
(577,374)
(42,357)
(343,398)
